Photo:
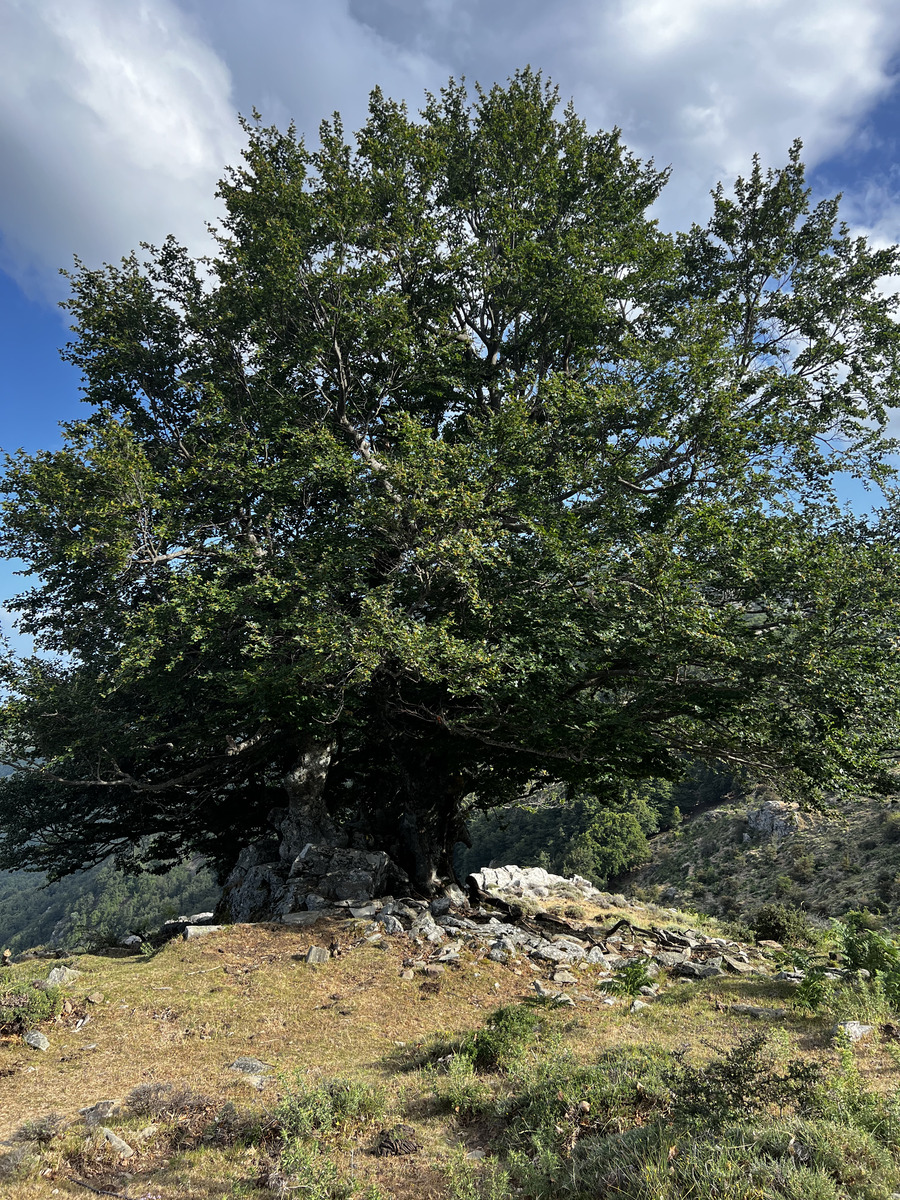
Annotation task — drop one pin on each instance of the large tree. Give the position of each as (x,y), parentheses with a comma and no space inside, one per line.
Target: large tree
(452,472)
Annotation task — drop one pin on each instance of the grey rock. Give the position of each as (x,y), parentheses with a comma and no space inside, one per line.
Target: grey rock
(250,1066)
(440,906)
(112,1139)
(196,931)
(317,954)
(854,1030)
(774,818)
(669,958)
(564,977)
(131,941)
(35,1040)
(314,902)
(62,976)
(754,1010)
(364,910)
(390,923)
(639,1005)
(304,919)
(96,1114)
(735,964)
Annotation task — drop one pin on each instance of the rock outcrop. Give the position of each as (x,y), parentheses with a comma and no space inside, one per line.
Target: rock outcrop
(263,887)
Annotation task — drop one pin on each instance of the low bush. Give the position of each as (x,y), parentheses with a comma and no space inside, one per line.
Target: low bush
(506,1034)
(307,1108)
(779,922)
(23,1006)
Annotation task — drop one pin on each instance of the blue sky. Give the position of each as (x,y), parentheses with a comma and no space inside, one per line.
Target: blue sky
(118,116)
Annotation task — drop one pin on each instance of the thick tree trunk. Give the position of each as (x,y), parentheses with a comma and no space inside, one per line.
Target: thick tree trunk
(307,818)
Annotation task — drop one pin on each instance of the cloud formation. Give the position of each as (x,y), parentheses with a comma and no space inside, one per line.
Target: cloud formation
(117,119)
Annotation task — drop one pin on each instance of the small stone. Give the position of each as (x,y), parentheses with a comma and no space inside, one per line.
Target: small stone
(434,969)
(131,942)
(407,975)
(36,1040)
(96,1114)
(440,906)
(734,964)
(62,976)
(145,1134)
(121,1148)
(363,911)
(639,1005)
(195,931)
(854,1030)
(314,902)
(306,918)
(317,954)
(390,923)
(475,1155)
(250,1066)
(95,998)
(564,977)
(770,945)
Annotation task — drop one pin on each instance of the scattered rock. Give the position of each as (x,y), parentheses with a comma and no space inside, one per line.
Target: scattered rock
(754,1010)
(62,976)
(639,1005)
(250,1066)
(855,1031)
(391,923)
(95,998)
(317,954)
(194,931)
(564,977)
(36,1040)
(121,1148)
(131,942)
(96,1114)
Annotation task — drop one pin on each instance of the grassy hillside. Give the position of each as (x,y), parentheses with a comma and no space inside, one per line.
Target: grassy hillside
(826,863)
(486,1091)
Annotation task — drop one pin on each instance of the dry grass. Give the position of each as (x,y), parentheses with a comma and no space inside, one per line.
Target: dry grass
(188,1011)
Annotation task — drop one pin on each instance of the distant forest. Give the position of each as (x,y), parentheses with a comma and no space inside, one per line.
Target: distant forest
(598,837)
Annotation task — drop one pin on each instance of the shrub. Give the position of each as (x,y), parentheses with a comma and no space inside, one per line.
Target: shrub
(784,923)
(160,1101)
(306,1108)
(629,979)
(745,1080)
(506,1034)
(23,1006)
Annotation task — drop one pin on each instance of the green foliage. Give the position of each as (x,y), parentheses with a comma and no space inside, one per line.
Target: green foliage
(745,1080)
(596,836)
(628,980)
(452,472)
(780,922)
(23,1006)
(306,1108)
(99,906)
(645,1125)
(506,1034)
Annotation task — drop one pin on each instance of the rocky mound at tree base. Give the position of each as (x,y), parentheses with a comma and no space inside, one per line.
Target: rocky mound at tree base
(265,887)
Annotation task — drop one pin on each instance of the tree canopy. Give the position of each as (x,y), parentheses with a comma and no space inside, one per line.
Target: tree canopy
(449,473)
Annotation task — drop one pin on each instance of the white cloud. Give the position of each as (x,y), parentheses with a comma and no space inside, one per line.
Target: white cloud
(115,123)
(116,119)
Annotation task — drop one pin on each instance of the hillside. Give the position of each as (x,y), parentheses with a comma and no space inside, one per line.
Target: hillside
(731,860)
(468,1060)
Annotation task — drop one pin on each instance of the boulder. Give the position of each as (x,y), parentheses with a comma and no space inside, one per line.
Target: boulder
(35,1040)
(63,976)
